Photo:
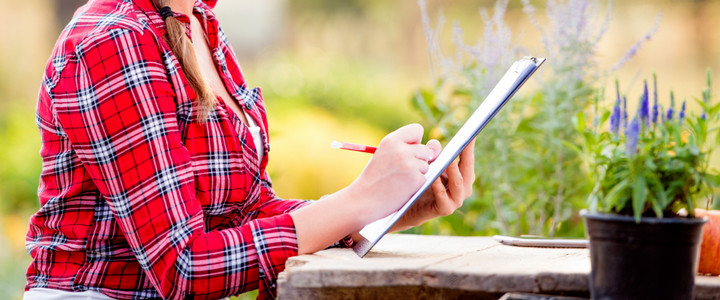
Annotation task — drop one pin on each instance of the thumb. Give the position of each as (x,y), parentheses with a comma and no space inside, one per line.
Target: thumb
(410,134)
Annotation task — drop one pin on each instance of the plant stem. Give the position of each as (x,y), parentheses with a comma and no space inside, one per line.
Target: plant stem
(560,191)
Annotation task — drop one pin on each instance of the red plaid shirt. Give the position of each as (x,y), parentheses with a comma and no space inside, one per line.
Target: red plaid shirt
(139,198)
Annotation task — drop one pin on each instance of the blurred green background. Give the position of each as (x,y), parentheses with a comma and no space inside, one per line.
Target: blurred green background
(337,70)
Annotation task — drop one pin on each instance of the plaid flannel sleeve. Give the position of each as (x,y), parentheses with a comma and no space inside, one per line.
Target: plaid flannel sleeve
(115,102)
(270,205)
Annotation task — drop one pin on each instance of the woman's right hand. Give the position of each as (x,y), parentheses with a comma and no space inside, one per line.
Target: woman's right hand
(394,173)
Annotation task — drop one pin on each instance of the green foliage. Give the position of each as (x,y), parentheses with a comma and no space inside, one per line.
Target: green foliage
(19,169)
(345,88)
(655,166)
(246,296)
(329,6)
(528,181)
(19,156)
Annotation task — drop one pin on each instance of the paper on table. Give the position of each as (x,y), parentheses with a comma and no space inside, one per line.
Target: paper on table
(541,242)
(518,73)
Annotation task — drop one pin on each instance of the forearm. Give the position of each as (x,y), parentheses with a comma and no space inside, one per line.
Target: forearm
(326,221)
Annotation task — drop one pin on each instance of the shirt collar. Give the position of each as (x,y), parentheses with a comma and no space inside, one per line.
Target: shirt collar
(147,5)
(201,7)
(210,3)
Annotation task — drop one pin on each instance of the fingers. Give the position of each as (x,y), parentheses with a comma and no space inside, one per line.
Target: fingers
(435,146)
(461,175)
(443,204)
(455,183)
(449,191)
(467,167)
(423,167)
(423,153)
(412,136)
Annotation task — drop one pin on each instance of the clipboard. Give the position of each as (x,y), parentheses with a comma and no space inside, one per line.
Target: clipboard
(514,78)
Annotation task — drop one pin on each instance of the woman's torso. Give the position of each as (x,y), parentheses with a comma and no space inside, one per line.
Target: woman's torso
(74,235)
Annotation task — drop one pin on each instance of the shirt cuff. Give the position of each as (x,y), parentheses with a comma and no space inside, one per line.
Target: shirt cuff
(346,242)
(275,241)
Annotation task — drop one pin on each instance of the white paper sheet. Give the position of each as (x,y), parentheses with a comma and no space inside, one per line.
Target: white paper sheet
(518,73)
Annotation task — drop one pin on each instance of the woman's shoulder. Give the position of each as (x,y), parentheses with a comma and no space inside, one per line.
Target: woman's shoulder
(98,29)
(100,19)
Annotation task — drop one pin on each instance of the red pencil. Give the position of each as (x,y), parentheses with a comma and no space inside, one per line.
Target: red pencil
(353,147)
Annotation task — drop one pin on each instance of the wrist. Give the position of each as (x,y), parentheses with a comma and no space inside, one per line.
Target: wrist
(326,221)
(352,201)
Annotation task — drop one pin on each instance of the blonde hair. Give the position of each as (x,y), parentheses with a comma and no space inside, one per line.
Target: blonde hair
(182,48)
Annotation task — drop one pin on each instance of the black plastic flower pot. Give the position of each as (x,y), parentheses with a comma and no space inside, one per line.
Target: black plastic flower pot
(653,259)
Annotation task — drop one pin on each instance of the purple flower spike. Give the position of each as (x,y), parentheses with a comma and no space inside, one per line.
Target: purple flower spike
(681,116)
(655,113)
(655,101)
(645,106)
(655,89)
(631,137)
(615,118)
(671,110)
(624,111)
(617,110)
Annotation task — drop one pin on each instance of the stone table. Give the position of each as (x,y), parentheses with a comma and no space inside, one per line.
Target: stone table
(405,266)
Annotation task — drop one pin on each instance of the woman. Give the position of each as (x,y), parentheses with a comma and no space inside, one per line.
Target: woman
(154,155)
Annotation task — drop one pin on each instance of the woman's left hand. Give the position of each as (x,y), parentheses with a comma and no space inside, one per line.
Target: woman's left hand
(446,194)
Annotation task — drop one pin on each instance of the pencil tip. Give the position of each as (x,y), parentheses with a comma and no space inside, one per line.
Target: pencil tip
(336,145)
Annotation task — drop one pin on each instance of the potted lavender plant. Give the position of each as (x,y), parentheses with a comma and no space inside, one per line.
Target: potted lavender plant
(645,170)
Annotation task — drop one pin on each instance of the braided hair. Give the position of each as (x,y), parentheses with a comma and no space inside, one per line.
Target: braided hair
(182,48)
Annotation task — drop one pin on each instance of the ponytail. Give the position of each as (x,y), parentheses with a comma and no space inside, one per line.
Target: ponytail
(182,48)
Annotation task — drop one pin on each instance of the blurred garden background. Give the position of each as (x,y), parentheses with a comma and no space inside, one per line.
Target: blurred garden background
(355,70)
